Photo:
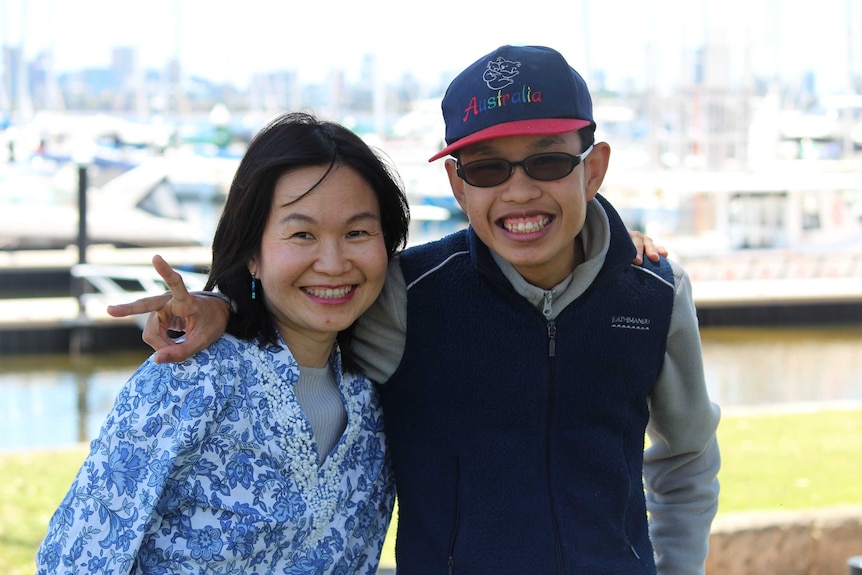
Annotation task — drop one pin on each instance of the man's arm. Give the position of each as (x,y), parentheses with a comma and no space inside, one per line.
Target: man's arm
(380,333)
(682,462)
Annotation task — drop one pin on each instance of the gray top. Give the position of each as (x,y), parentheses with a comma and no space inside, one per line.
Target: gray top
(318,395)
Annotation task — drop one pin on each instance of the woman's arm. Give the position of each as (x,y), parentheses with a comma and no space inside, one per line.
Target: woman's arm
(204,319)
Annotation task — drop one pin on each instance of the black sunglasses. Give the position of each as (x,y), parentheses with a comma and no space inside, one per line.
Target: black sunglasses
(544,167)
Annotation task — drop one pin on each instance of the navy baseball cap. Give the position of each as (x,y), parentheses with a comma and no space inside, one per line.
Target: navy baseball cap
(514,91)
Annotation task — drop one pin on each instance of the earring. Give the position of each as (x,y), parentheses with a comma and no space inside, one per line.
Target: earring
(253,286)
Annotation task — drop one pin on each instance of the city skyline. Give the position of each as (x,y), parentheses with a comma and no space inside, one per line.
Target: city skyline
(653,46)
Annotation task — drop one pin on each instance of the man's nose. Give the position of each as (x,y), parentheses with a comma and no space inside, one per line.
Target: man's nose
(520,187)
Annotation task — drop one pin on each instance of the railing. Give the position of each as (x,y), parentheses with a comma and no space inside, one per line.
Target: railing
(122,284)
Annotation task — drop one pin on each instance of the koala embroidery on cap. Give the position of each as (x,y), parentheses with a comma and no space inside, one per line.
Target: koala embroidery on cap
(500,73)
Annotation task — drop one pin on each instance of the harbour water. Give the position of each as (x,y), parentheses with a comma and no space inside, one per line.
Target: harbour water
(55,401)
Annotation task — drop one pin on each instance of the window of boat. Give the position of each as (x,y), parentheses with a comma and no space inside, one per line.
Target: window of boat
(810,211)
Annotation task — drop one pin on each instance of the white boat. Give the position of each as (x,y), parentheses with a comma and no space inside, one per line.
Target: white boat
(39,208)
(713,213)
(788,238)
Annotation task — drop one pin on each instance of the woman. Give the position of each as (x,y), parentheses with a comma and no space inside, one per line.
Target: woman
(265,452)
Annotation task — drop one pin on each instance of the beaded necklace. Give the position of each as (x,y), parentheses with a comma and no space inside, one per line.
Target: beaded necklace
(319,486)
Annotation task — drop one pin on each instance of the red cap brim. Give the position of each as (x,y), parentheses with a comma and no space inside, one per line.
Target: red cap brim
(538,127)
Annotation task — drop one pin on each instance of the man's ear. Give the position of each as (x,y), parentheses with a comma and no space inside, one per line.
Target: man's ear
(595,168)
(456,183)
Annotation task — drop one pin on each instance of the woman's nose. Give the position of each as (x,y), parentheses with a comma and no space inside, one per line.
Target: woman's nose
(332,259)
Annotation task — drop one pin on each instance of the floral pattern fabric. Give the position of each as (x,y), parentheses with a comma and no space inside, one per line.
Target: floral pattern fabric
(209,466)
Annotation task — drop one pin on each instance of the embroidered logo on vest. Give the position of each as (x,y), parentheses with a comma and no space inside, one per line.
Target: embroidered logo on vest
(629,322)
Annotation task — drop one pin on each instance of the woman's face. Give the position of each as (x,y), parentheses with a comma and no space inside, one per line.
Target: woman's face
(322,259)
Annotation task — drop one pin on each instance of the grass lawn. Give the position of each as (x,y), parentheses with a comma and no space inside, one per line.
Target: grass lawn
(790,461)
(783,461)
(33,485)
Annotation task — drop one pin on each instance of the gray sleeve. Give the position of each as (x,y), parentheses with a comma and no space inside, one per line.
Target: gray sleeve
(681,465)
(379,335)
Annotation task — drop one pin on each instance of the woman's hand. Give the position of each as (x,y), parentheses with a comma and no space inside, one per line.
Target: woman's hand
(646,246)
(202,318)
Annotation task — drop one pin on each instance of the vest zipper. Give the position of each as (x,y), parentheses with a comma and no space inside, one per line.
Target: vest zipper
(451,562)
(552,344)
(547,303)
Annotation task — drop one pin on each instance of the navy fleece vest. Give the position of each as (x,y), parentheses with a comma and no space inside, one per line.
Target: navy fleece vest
(518,442)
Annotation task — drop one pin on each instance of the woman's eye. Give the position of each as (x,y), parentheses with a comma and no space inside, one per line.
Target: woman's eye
(302,235)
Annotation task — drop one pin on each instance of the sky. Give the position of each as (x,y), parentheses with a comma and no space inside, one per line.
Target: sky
(640,42)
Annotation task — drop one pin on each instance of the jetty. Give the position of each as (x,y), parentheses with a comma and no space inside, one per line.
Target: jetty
(777,288)
(51,304)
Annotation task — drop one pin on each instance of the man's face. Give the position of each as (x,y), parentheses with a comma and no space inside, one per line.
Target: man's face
(532,224)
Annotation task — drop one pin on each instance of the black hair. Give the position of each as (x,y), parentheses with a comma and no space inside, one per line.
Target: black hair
(291,141)
(587,134)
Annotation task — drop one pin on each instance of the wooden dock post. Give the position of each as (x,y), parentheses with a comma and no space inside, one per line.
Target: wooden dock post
(80,340)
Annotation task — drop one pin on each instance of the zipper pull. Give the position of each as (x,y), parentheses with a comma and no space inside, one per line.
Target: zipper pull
(546,306)
(552,334)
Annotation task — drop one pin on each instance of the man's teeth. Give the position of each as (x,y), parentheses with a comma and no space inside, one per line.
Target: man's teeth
(525,226)
(329,293)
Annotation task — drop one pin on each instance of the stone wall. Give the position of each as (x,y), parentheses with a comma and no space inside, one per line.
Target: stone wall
(789,543)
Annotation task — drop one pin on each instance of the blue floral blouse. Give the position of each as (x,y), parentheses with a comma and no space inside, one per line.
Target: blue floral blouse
(209,466)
